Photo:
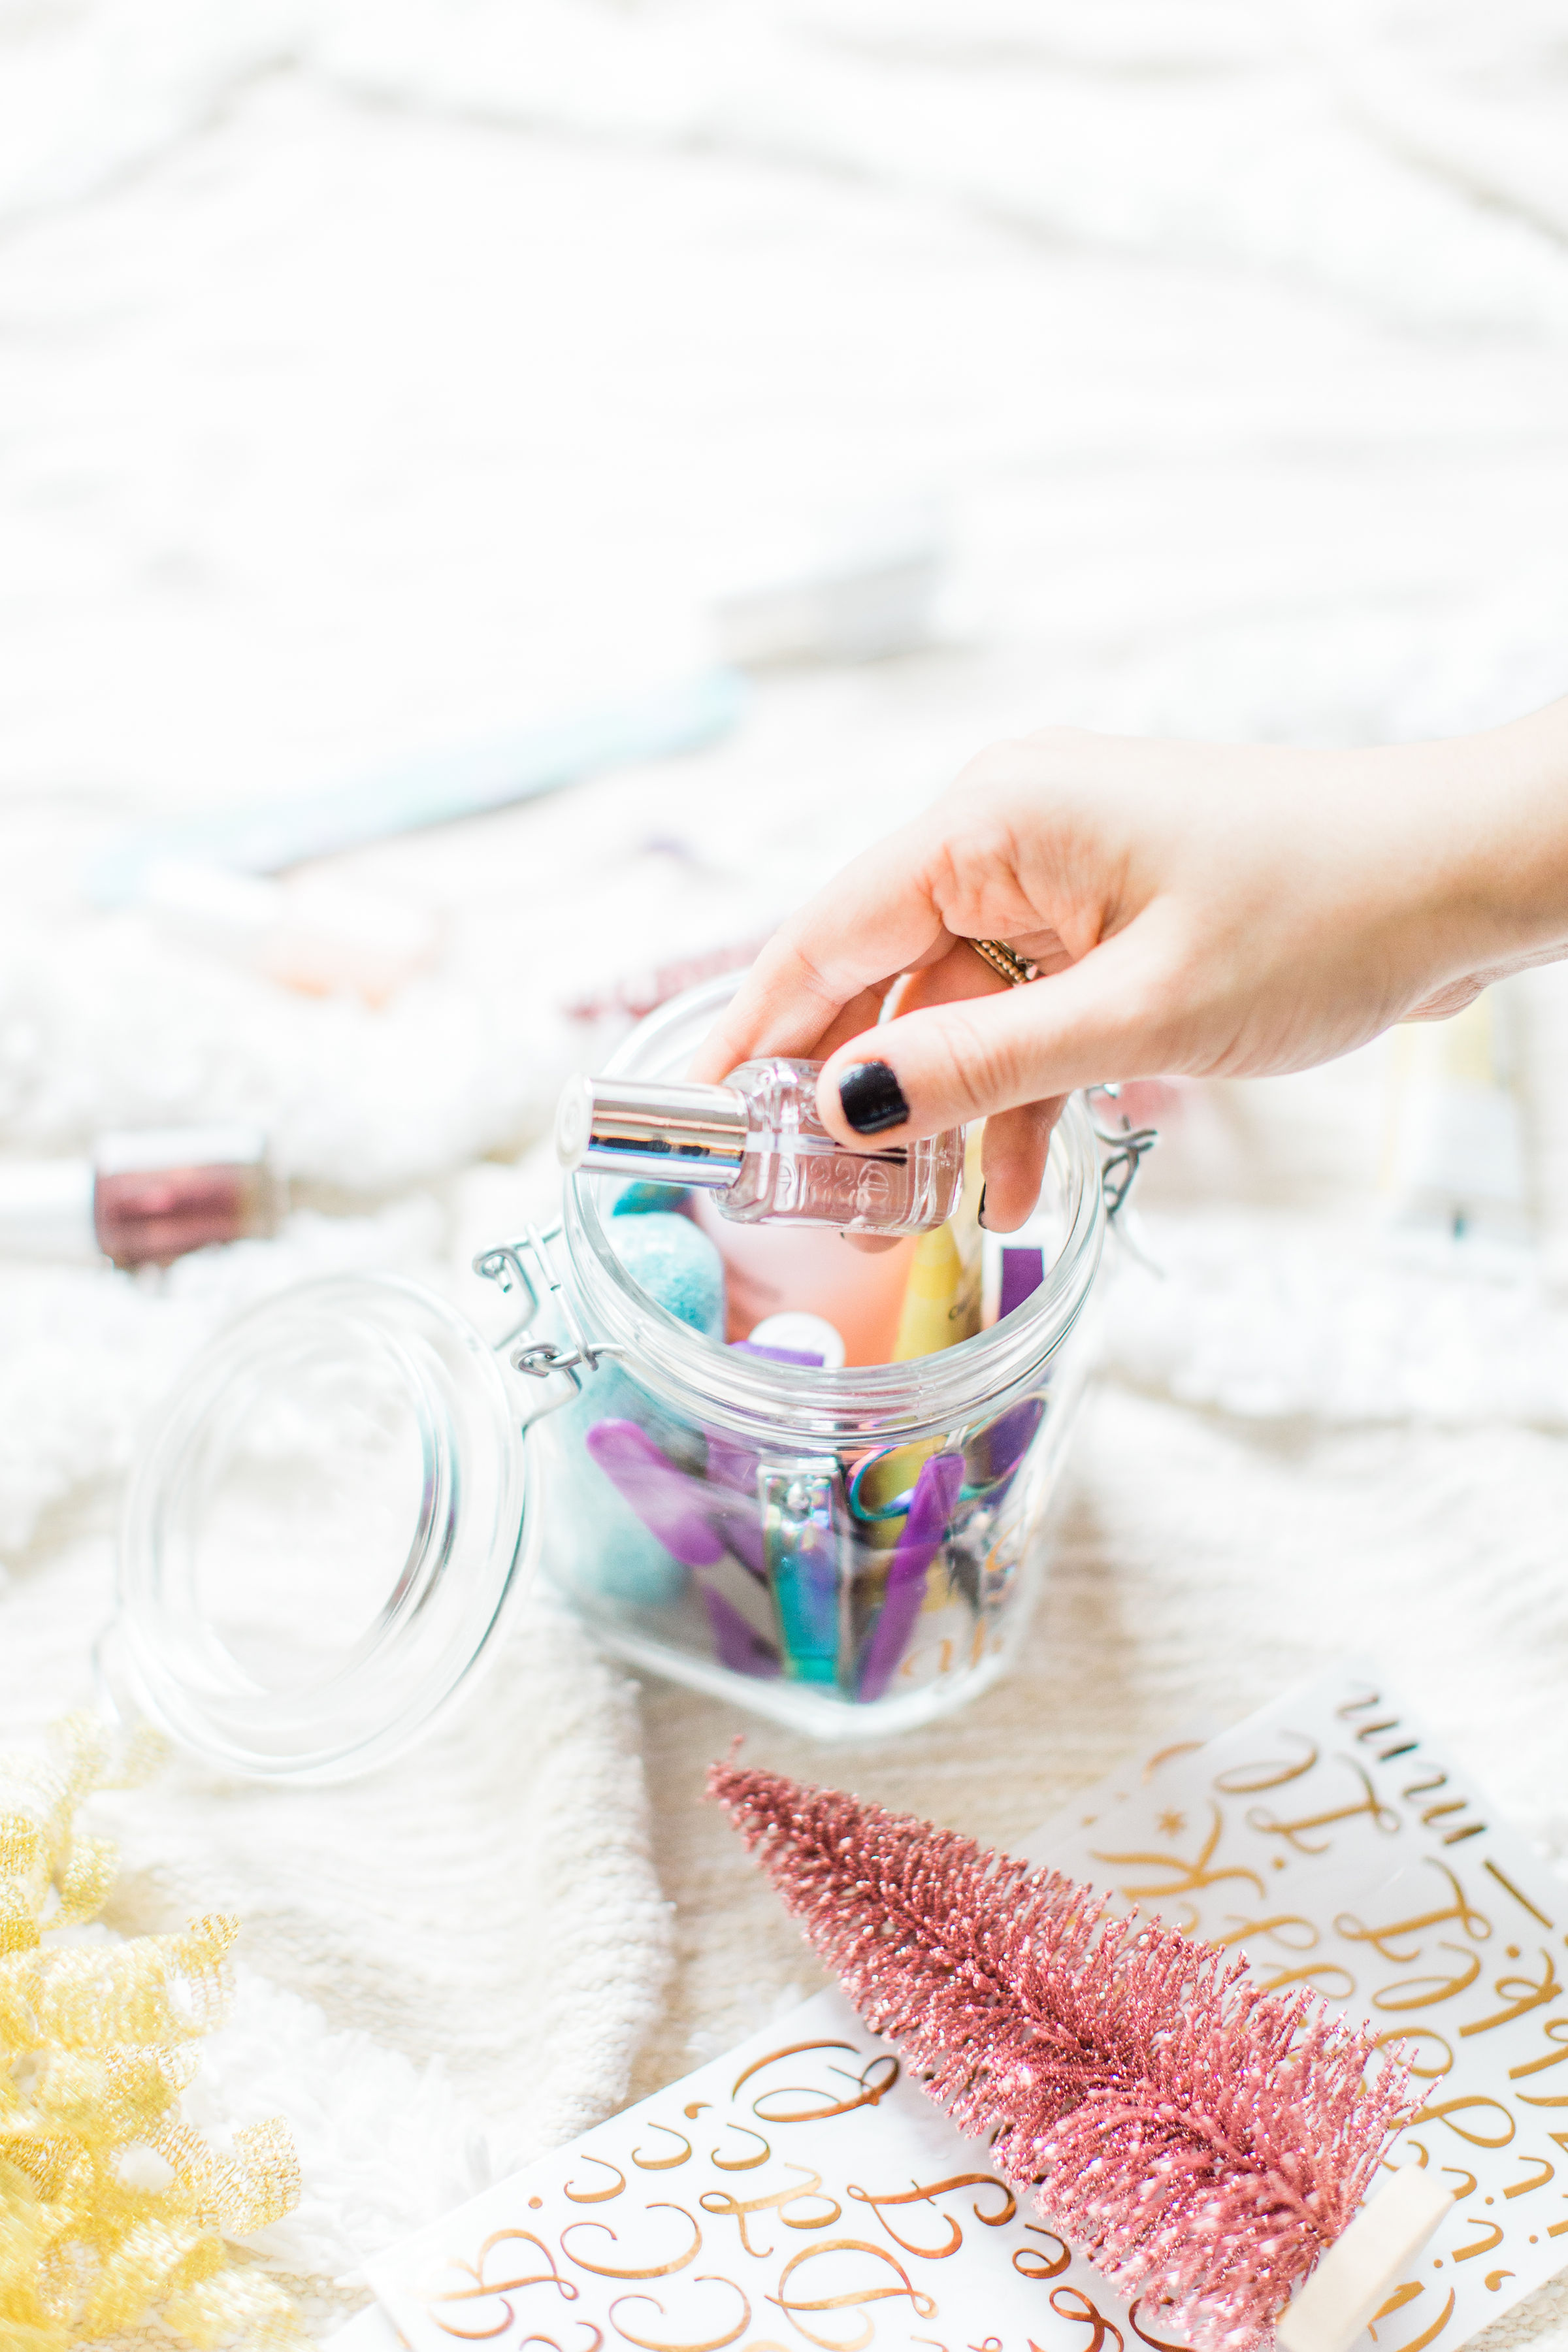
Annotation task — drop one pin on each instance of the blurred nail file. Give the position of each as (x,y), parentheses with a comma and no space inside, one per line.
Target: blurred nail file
(266,837)
(858,585)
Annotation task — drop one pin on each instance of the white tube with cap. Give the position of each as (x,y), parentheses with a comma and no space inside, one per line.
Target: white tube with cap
(310,934)
(1360,2270)
(804,1334)
(1456,1161)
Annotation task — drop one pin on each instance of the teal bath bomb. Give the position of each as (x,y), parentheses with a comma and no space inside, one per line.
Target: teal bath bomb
(600,1549)
(599,1546)
(644,1200)
(674,1261)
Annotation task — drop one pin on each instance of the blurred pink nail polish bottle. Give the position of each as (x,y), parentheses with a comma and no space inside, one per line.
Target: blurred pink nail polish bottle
(144,1198)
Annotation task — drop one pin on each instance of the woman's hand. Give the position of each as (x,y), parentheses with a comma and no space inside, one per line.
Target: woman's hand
(1216,910)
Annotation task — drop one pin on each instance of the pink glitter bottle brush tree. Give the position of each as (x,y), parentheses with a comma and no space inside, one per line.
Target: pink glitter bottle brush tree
(1203,2142)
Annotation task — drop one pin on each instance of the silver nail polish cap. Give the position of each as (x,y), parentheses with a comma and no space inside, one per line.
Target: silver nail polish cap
(45,1209)
(139,1151)
(666,1131)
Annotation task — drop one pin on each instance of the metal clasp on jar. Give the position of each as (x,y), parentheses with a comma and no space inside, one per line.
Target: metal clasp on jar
(1125,1148)
(508,1267)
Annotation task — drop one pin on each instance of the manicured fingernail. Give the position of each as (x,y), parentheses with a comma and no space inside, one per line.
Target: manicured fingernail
(872,1097)
(979,1211)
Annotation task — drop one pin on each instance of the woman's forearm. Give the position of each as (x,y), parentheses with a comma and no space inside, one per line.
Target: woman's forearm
(1210,908)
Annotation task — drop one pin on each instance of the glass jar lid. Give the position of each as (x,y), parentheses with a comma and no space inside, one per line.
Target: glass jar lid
(322,1530)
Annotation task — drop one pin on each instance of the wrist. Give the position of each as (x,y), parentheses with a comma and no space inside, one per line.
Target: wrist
(1487,819)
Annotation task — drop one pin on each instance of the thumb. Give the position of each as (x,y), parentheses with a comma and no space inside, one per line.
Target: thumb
(1104,1017)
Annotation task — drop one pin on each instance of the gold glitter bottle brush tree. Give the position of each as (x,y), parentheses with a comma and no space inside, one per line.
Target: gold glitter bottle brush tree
(1205,2142)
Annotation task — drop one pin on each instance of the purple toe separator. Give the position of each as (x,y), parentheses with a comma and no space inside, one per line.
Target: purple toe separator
(669,1504)
(930,1507)
(737,1646)
(995,1455)
(808,1356)
(1022,1271)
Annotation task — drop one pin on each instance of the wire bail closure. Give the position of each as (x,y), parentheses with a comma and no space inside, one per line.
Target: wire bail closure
(505,1266)
(1124,1156)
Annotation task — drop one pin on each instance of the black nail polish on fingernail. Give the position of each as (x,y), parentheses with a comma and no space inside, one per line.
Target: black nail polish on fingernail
(979,1211)
(872,1097)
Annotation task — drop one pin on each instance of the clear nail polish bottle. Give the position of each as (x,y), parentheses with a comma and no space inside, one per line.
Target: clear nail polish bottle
(757,1144)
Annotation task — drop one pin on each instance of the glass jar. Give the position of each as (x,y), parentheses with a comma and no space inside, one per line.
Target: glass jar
(331,1513)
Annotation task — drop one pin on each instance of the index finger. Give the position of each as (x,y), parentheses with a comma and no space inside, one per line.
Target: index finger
(834,957)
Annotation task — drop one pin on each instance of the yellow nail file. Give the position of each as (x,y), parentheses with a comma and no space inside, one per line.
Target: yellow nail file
(942,1298)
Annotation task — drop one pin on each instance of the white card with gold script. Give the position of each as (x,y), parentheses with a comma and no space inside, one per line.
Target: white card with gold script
(798,2193)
